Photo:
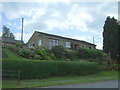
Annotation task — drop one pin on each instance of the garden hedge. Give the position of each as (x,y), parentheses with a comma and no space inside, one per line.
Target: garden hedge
(36,69)
(90,53)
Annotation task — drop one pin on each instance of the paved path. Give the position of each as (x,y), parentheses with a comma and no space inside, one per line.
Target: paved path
(102,84)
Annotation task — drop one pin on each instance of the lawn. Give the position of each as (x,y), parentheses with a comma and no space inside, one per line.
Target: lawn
(9,54)
(101,76)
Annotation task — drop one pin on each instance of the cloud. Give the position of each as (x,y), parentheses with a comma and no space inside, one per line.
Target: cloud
(67,17)
(0,33)
(26,37)
(99,46)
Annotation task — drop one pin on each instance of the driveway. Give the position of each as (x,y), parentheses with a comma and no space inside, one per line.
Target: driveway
(102,84)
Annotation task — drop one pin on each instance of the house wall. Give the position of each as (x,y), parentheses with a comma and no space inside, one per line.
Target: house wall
(46,41)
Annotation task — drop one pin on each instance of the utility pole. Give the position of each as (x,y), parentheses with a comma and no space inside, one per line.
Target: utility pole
(22,32)
(93,41)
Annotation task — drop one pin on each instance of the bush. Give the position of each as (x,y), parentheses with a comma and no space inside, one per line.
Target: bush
(103,67)
(37,57)
(52,57)
(11,47)
(35,69)
(42,53)
(58,51)
(24,53)
(71,54)
(18,45)
(90,54)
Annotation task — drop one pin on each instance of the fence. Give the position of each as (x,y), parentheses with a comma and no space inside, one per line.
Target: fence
(11,75)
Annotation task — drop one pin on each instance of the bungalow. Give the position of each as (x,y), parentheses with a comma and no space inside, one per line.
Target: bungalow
(44,40)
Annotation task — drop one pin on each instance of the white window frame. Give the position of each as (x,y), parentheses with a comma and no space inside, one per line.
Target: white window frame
(68,44)
(39,42)
(29,45)
(53,42)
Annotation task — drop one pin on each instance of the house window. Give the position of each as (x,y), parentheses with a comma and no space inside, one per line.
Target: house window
(68,44)
(33,44)
(82,46)
(29,45)
(39,42)
(53,42)
(89,47)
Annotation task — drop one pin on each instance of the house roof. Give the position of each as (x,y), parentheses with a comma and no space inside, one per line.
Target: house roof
(63,37)
(9,40)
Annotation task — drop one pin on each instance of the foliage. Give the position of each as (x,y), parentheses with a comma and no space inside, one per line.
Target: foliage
(119,41)
(6,33)
(35,69)
(58,51)
(37,57)
(11,47)
(24,53)
(42,53)
(110,37)
(11,55)
(90,54)
(18,45)
(52,57)
(71,54)
(103,67)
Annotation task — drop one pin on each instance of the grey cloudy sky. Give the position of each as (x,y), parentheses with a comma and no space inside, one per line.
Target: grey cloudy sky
(79,20)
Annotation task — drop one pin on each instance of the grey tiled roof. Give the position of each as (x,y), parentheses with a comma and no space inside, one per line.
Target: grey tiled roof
(9,40)
(64,37)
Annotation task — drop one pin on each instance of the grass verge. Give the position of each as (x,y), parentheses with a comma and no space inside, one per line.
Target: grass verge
(11,55)
(101,76)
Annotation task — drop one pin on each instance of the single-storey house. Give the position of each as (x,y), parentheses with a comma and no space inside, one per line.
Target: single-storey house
(44,40)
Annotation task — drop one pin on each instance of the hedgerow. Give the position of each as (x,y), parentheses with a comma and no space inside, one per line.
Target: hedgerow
(90,54)
(35,69)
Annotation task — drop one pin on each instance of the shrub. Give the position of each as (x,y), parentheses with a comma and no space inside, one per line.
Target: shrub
(32,52)
(58,51)
(11,47)
(90,54)
(52,56)
(24,53)
(18,45)
(71,54)
(115,66)
(32,69)
(42,53)
(37,57)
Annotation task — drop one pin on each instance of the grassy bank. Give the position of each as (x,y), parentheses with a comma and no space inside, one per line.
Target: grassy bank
(101,76)
(9,54)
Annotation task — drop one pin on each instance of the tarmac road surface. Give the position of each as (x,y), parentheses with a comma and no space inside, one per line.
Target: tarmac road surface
(102,84)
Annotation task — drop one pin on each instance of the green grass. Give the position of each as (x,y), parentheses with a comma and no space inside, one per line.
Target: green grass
(101,76)
(11,55)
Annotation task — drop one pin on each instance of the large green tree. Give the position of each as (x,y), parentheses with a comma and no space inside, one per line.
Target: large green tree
(119,41)
(110,37)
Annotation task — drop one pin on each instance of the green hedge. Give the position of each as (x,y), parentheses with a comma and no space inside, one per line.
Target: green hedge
(90,54)
(34,69)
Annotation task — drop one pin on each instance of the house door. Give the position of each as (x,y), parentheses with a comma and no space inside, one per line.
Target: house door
(76,46)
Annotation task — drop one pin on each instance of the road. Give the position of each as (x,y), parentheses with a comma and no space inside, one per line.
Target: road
(102,84)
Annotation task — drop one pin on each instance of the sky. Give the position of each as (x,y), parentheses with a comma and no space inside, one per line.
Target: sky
(77,20)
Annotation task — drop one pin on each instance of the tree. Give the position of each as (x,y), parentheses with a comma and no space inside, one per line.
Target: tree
(12,36)
(110,37)
(6,33)
(119,41)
